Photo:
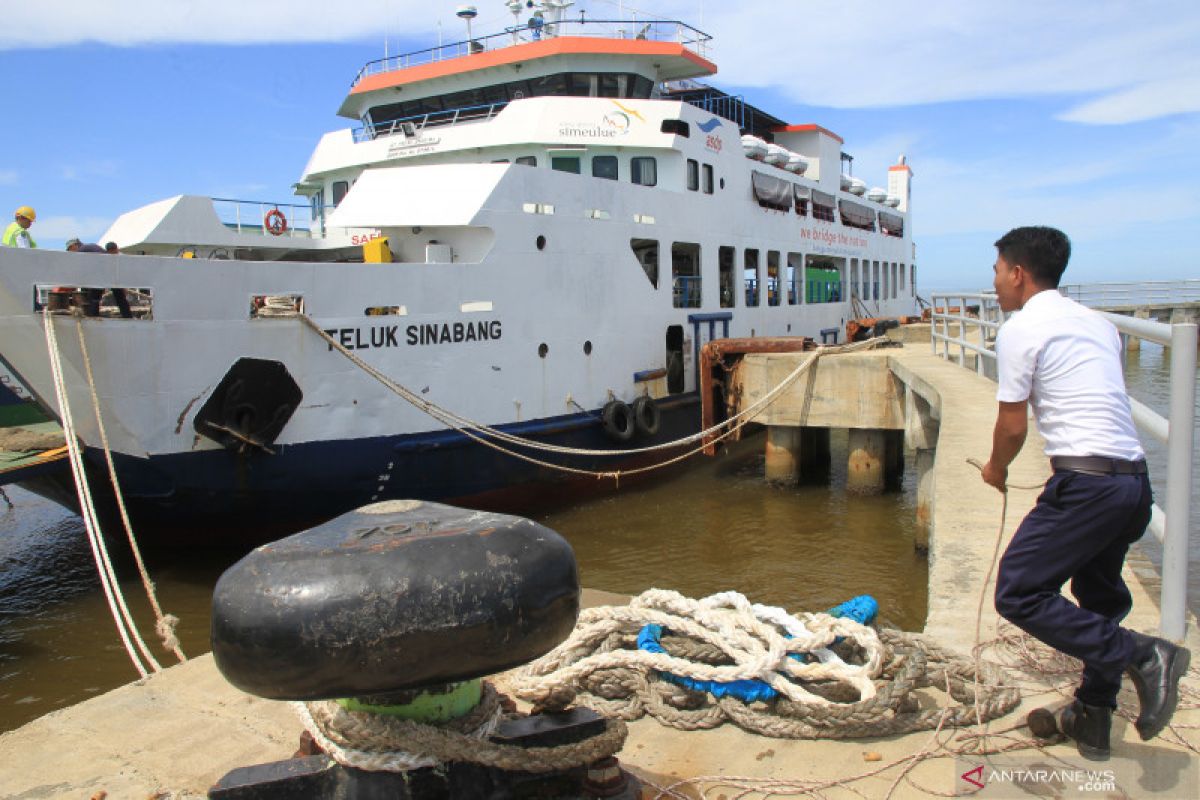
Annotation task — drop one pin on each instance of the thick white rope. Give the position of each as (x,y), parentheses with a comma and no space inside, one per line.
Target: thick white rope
(164,623)
(108,580)
(726,621)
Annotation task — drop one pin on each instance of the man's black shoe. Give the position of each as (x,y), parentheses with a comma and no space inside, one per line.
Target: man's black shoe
(1089,727)
(1156,669)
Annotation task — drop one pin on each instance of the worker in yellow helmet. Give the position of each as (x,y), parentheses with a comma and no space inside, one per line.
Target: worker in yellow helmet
(17,233)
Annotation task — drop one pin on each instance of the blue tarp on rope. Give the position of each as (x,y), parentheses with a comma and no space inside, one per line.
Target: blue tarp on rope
(861,609)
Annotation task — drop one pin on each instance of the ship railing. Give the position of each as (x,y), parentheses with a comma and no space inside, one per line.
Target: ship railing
(1134,295)
(254,217)
(950,323)
(656,30)
(411,126)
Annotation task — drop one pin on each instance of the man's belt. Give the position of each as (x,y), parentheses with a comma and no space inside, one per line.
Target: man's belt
(1099,465)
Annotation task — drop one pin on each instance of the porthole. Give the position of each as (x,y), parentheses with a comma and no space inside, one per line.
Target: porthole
(541,243)
(587,348)
(722,183)
(543,348)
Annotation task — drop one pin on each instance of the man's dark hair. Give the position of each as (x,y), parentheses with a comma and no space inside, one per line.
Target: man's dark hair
(110,247)
(1041,251)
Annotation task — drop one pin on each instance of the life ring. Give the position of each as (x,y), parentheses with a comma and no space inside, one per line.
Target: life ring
(618,421)
(275,222)
(646,416)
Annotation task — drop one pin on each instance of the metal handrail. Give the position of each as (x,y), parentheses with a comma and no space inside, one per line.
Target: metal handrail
(658,30)
(1133,295)
(986,322)
(1176,431)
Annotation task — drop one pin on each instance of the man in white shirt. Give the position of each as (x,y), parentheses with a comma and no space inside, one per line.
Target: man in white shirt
(1064,361)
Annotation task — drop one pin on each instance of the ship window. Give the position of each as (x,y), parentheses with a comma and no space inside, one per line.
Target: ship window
(676,126)
(528,161)
(611,85)
(646,253)
(725,268)
(693,175)
(823,280)
(795,270)
(565,163)
(499,160)
(685,274)
(339,191)
(708,179)
(643,170)
(750,276)
(604,167)
(641,87)
(822,206)
(773,277)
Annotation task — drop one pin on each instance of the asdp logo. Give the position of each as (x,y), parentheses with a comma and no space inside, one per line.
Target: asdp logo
(618,121)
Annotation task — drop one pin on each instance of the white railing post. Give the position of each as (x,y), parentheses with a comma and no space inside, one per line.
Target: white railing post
(1179,480)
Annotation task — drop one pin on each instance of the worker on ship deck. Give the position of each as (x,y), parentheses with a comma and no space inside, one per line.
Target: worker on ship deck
(17,233)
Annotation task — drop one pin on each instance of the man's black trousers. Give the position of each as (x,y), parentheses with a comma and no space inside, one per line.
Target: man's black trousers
(1080,530)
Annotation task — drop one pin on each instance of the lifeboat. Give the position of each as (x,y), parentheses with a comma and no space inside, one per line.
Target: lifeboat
(796,163)
(776,155)
(754,147)
(877,195)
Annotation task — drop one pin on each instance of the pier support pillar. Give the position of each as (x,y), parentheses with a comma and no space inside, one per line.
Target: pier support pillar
(1135,342)
(783,453)
(865,463)
(814,453)
(924,461)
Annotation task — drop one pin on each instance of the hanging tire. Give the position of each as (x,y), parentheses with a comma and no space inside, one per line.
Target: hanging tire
(618,421)
(646,416)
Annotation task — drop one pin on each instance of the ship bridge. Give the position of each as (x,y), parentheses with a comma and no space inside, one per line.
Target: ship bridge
(582,58)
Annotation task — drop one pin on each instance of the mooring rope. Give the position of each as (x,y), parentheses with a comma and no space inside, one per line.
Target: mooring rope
(108,579)
(478,431)
(722,638)
(165,624)
(379,742)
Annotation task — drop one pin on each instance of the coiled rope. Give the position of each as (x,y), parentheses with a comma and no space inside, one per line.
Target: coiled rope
(725,638)
(484,434)
(126,627)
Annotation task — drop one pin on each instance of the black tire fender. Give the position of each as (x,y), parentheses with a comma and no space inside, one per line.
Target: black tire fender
(646,416)
(618,421)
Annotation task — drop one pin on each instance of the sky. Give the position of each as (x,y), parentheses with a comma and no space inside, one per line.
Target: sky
(1081,115)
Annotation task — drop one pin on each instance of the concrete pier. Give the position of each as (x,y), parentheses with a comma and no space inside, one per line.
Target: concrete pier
(178,732)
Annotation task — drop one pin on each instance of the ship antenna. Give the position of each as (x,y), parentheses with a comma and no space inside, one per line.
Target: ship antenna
(468,13)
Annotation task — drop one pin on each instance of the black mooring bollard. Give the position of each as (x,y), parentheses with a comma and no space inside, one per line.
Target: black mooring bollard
(392,606)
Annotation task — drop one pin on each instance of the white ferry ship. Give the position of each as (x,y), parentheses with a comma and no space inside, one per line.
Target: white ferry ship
(532,230)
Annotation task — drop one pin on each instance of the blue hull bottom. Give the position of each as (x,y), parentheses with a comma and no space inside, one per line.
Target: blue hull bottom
(221,498)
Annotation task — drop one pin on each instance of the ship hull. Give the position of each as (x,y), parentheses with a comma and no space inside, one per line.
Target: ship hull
(222,498)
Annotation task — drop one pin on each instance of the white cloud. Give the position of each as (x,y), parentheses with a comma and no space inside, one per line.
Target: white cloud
(1172,94)
(1122,61)
(66,227)
(50,23)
